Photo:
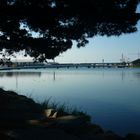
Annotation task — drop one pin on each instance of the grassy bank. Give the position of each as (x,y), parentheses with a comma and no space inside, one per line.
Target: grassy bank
(21,118)
(63,109)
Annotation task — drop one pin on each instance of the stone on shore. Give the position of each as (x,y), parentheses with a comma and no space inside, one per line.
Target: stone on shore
(23,119)
(132,137)
(17,109)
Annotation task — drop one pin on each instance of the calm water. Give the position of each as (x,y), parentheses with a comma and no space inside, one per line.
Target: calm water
(110,96)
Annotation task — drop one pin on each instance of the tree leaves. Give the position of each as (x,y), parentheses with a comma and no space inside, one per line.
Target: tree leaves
(58,22)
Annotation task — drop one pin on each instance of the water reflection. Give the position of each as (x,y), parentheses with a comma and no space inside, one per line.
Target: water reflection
(21,74)
(137,75)
(122,75)
(54,76)
(110,96)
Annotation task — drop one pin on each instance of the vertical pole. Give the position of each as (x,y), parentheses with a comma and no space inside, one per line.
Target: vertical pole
(122,58)
(103,62)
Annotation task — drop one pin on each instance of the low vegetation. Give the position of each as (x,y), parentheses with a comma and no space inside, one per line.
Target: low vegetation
(22,118)
(64,109)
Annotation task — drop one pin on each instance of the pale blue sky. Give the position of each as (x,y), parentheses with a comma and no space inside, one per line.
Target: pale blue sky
(108,48)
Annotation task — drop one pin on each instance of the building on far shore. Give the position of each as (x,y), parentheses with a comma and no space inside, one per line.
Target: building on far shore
(136,62)
(6,63)
(26,64)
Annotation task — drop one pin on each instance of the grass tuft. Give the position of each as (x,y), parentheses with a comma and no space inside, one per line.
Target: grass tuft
(64,109)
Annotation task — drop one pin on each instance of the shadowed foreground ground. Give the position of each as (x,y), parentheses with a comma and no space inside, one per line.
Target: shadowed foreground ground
(23,119)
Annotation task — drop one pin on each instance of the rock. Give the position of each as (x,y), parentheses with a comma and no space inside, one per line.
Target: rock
(112,136)
(100,136)
(95,129)
(54,115)
(70,121)
(16,109)
(50,113)
(87,132)
(132,137)
(5,136)
(42,134)
(34,122)
(91,136)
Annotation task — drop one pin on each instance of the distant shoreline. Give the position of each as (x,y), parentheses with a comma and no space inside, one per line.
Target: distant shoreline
(68,66)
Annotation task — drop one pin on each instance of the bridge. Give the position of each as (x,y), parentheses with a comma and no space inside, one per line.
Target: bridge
(69,65)
(89,65)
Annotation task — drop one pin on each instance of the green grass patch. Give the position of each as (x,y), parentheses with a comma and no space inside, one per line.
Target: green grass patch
(64,109)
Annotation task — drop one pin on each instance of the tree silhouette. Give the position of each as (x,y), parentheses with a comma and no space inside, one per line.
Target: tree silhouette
(46,28)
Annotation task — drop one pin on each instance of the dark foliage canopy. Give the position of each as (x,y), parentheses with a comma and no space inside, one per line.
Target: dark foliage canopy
(58,22)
